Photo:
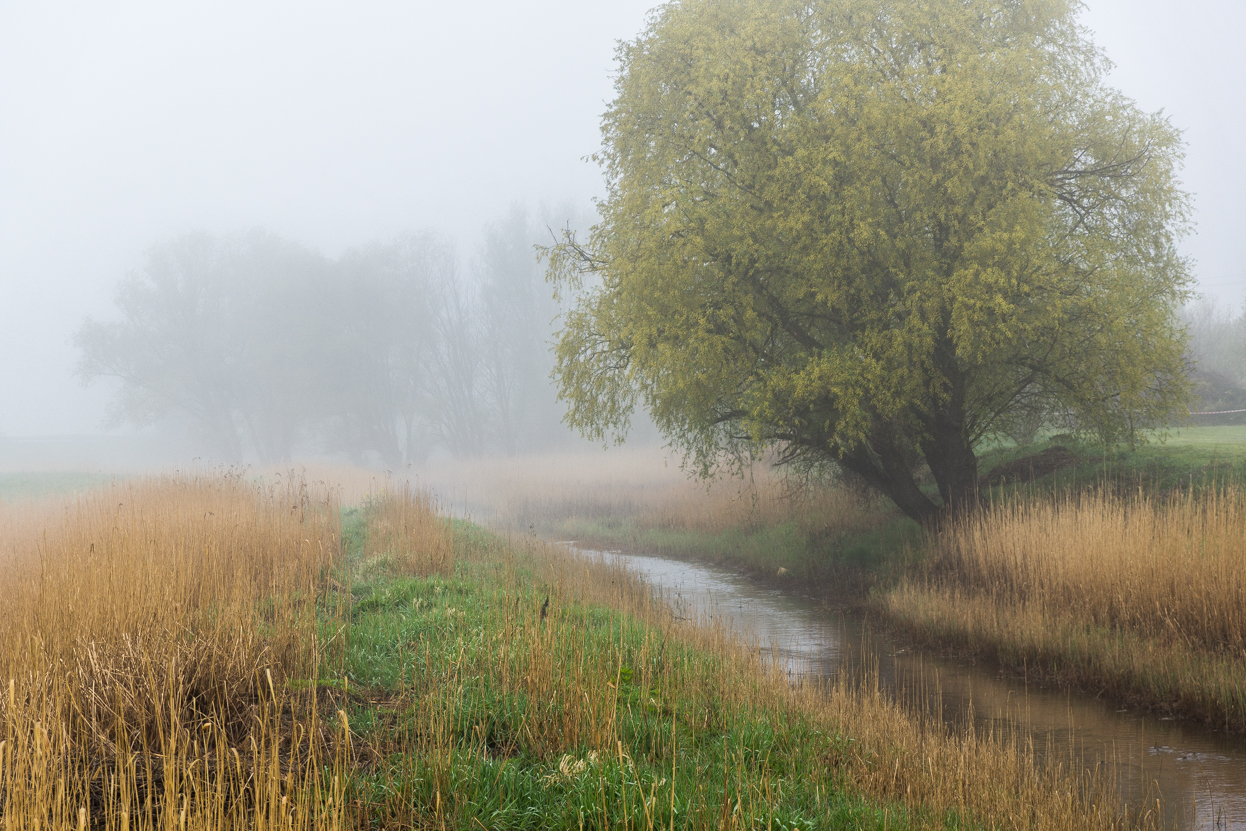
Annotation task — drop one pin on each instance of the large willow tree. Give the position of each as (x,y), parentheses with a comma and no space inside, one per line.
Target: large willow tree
(873,233)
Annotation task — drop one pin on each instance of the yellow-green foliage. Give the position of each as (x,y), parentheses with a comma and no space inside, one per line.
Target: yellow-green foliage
(875,232)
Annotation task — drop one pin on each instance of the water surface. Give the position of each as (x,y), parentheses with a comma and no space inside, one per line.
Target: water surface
(1199,774)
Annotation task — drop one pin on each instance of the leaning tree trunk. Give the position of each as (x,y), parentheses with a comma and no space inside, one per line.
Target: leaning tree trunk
(883,464)
(952,462)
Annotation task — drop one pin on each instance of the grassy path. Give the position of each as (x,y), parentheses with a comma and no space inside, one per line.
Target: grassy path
(512,704)
(520,687)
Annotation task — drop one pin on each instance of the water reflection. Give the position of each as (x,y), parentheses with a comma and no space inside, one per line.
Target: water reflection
(1199,774)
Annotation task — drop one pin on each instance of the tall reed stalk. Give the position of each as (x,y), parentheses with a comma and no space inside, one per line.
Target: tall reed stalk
(149,635)
(1144,597)
(162,670)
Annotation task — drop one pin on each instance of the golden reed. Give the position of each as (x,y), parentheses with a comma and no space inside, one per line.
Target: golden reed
(150,629)
(1144,597)
(161,630)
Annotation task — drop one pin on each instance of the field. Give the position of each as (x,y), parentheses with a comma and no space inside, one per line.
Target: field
(1230,439)
(23,487)
(216,652)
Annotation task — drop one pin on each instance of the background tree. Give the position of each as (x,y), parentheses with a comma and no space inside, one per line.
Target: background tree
(517,316)
(211,330)
(457,411)
(384,340)
(1217,358)
(386,355)
(278,322)
(873,233)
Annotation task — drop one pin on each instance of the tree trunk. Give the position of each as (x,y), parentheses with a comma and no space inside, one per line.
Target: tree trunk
(949,453)
(955,470)
(884,466)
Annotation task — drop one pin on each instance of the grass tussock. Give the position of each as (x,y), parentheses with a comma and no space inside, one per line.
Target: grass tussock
(762,498)
(1142,597)
(403,535)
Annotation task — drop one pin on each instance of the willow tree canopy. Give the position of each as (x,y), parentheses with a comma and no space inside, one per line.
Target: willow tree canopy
(875,233)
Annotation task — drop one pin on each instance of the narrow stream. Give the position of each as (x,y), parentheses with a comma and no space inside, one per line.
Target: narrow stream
(1199,774)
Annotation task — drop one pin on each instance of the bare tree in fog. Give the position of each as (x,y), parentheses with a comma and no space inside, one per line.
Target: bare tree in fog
(281,320)
(517,315)
(456,413)
(197,338)
(385,341)
(384,355)
(1217,358)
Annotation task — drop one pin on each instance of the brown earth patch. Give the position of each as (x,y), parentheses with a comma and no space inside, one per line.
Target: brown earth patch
(1029,468)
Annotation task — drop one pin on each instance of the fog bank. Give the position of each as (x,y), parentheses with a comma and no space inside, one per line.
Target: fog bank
(125,126)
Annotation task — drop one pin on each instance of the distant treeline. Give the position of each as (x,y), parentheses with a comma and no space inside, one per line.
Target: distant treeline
(266,348)
(1217,358)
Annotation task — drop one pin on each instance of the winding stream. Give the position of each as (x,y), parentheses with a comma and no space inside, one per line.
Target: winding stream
(1199,774)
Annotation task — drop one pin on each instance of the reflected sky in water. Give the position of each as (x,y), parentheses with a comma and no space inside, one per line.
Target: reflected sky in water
(1200,774)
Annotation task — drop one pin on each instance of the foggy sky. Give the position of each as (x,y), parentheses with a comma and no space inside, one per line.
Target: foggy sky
(333,124)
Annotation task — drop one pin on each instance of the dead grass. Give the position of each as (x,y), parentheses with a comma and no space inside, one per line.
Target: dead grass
(150,628)
(1141,597)
(888,753)
(641,497)
(168,638)
(349,485)
(542,489)
(763,499)
(531,636)
(405,535)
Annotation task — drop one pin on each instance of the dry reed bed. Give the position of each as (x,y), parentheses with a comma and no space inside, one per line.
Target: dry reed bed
(528,489)
(406,536)
(590,492)
(148,631)
(160,627)
(1142,597)
(763,500)
(643,484)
